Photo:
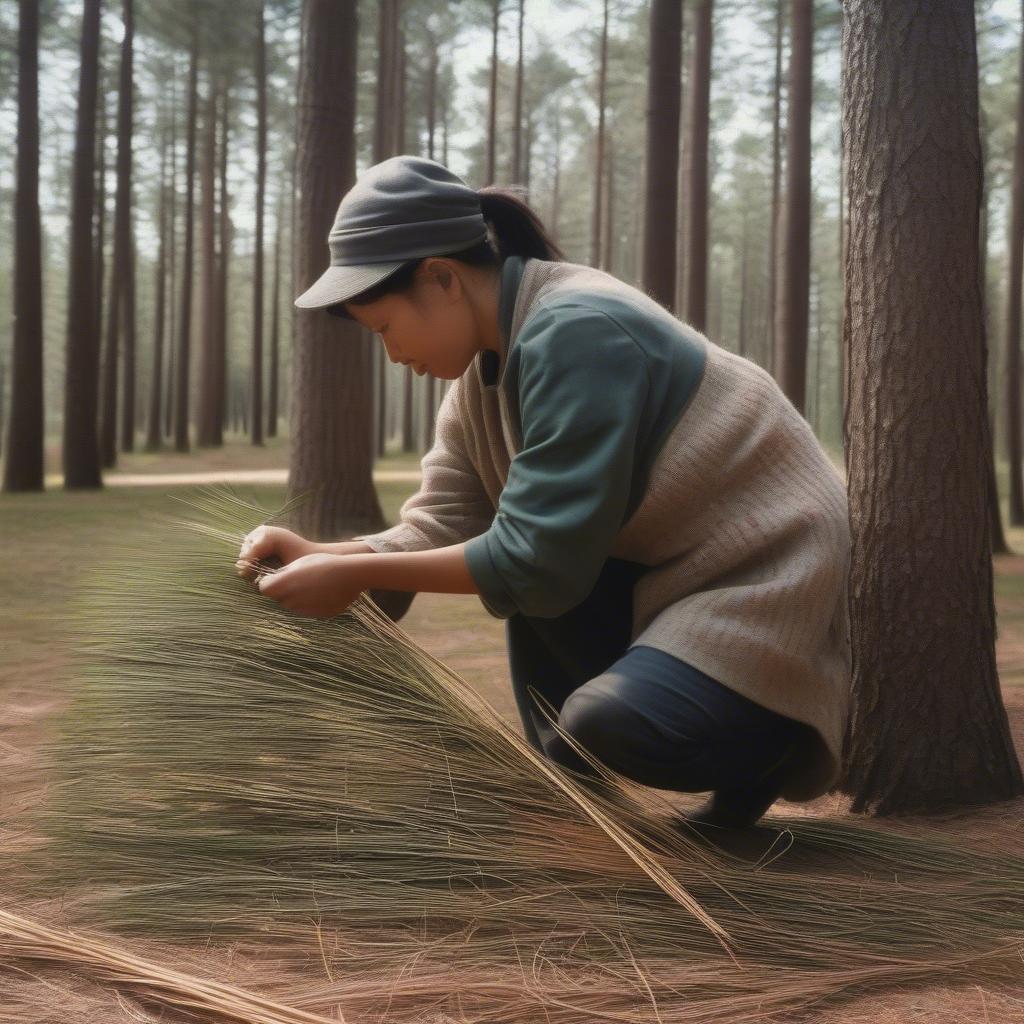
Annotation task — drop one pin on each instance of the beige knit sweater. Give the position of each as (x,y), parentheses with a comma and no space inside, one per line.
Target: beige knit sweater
(744,523)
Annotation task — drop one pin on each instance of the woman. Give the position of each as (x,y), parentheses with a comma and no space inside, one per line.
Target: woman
(661,530)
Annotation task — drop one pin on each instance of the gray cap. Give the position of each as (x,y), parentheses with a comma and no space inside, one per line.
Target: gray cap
(400,209)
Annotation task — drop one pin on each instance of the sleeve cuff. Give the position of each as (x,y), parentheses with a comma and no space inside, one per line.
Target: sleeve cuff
(493,593)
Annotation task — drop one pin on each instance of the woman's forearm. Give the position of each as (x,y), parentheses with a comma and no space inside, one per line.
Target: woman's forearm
(345,547)
(437,571)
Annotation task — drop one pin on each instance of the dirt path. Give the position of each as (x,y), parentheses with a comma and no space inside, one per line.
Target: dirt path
(233,476)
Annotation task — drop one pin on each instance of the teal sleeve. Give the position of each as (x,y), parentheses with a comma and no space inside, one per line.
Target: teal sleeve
(583,387)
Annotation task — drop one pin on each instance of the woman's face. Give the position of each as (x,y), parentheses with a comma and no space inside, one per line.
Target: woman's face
(431,326)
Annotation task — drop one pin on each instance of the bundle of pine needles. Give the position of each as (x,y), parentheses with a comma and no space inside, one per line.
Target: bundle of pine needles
(231,770)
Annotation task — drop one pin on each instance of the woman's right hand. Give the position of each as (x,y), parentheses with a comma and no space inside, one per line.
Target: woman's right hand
(271,544)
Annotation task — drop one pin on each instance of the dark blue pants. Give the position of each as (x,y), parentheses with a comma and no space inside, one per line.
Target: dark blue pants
(644,713)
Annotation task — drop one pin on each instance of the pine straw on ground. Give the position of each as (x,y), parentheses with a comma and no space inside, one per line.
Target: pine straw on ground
(330,798)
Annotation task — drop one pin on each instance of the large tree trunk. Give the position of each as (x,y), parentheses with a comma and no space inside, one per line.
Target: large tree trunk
(183,355)
(597,201)
(23,467)
(773,234)
(208,271)
(256,385)
(695,301)
(330,409)
(128,283)
(101,219)
(791,314)
(928,728)
(80,452)
(661,195)
(1011,341)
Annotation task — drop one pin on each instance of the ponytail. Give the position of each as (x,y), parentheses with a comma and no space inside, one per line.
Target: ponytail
(517,230)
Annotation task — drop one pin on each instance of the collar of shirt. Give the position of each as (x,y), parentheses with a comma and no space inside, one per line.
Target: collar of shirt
(492,364)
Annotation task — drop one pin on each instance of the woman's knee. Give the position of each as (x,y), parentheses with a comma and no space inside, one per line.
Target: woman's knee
(598,721)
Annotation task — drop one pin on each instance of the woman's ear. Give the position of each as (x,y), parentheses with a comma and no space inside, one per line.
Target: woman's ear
(441,274)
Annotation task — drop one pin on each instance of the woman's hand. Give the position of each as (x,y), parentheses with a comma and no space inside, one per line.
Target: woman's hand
(319,585)
(267,543)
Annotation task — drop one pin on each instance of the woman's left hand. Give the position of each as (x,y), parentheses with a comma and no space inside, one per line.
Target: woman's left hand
(317,585)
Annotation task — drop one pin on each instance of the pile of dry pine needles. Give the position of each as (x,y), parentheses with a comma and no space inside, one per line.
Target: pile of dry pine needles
(333,797)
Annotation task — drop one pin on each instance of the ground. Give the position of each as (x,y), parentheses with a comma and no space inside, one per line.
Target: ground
(50,539)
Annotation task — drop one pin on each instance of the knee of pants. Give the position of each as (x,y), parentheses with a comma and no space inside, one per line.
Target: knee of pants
(593,720)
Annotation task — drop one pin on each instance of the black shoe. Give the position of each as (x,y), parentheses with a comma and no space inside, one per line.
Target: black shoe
(743,806)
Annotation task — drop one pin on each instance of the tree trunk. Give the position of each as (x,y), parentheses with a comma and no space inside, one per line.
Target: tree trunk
(172,226)
(1011,340)
(695,303)
(183,356)
(128,327)
(226,234)
(101,219)
(791,313)
(80,452)
(928,728)
(154,438)
(23,467)
(275,326)
(208,272)
(492,106)
(330,409)
(517,125)
(256,380)
(117,318)
(597,201)
(773,235)
(661,195)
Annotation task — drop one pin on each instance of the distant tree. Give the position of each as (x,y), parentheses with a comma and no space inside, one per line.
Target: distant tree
(792,306)
(597,258)
(80,449)
(695,154)
(183,355)
(928,728)
(154,432)
(258,254)
(208,267)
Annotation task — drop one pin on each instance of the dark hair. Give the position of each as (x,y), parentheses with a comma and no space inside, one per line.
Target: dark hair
(514,229)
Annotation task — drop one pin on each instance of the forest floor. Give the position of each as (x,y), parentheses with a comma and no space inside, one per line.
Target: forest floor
(51,540)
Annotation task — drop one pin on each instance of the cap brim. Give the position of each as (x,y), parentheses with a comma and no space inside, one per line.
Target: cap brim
(338,284)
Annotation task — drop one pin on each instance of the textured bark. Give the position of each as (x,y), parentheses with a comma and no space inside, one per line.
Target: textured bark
(80,450)
(661,192)
(183,355)
(928,728)
(331,412)
(23,467)
(695,300)
(773,235)
(256,384)
(791,313)
(126,133)
(1011,343)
